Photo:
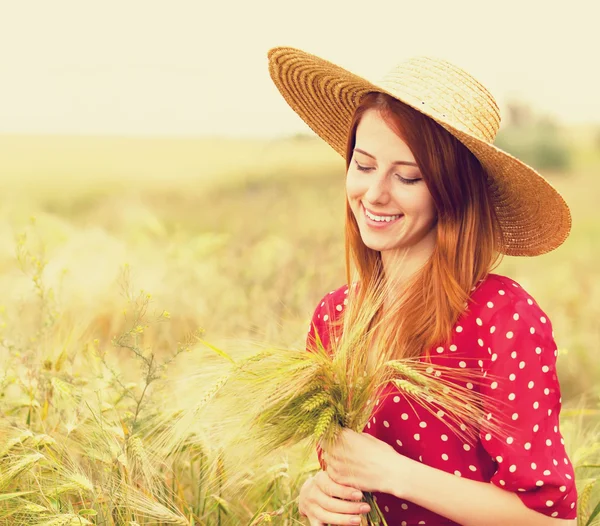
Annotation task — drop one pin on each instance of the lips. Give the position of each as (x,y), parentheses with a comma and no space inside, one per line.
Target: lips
(379,214)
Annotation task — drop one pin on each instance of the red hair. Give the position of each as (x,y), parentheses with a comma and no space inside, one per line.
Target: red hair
(468,233)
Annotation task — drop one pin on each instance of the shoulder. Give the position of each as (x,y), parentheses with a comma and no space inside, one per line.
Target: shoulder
(328,310)
(498,297)
(331,304)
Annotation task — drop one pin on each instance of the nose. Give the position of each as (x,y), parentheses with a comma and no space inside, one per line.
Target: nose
(378,191)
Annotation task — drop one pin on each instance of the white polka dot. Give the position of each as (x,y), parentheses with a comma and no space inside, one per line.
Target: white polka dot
(543,319)
(554,514)
(417,436)
(509,335)
(533,465)
(494,385)
(502,483)
(536,404)
(490,304)
(516,316)
(423,424)
(472,468)
(469,385)
(459,329)
(515,416)
(386,508)
(479,322)
(326,317)
(549,412)
(530,301)
(501,292)
(396,399)
(549,503)
(444,438)
(322,304)
(555,462)
(494,357)
(369,425)
(488,436)
(444,456)
(530,384)
(538,350)
(521,365)
(512,469)
(539,483)
(345,301)
(462,364)
(429,370)
(556,429)
(513,354)
(466,447)
(404,416)
(512,377)
(562,488)
(535,428)
(480,342)
(512,396)
(545,369)
(548,442)
(404,506)
(374,420)
(572,505)
(399,442)
(527,445)
(499,459)
(386,423)
(492,329)
(440,413)
(568,476)
(547,472)
(453,348)
(440,350)
(510,440)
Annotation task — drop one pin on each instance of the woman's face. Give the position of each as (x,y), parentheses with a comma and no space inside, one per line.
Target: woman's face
(390,200)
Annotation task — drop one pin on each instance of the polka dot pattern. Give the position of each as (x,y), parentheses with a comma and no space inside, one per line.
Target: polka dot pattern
(507,338)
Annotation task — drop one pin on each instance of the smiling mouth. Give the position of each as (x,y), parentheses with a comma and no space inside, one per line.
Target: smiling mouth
(380,218)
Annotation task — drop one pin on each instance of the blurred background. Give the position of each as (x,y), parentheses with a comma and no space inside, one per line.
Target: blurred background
(148,136)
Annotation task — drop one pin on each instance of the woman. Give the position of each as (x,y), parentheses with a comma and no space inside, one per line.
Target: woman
(431,204)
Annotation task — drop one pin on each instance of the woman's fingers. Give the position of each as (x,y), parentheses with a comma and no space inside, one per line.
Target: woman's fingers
(328,486)
(325,504)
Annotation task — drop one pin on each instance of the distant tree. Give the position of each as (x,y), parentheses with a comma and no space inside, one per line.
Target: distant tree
(536,140)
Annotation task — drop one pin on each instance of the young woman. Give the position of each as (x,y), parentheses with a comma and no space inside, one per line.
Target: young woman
(431,205)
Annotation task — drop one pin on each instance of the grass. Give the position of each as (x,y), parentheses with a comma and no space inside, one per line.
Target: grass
(239,238)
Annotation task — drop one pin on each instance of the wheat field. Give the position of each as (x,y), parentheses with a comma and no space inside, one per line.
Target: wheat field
(118,254)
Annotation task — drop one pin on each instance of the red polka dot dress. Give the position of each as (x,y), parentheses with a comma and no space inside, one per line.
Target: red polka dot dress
(503,334)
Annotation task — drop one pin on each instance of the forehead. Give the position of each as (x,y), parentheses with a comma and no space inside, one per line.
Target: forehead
(374,135)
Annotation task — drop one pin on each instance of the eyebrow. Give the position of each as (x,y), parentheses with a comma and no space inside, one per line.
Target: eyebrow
(407,163)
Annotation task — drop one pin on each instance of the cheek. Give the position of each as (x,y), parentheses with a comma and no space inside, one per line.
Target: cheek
(353,188)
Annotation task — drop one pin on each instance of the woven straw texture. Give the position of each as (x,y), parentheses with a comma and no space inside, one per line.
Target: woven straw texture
(534,217)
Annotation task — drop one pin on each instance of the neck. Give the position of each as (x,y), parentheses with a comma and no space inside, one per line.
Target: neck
(401,264)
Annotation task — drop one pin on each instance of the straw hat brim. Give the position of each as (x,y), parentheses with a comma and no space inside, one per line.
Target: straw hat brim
(534,217)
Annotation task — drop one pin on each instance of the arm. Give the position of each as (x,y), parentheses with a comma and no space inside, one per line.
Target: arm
(467,502)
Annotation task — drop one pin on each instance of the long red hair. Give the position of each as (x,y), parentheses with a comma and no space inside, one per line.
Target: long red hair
(468,233)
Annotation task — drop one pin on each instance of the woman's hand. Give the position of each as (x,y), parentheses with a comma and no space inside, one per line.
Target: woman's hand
(362,461)
(319,503)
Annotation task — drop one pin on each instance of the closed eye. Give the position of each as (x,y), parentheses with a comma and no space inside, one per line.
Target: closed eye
(403,180)
(363,168)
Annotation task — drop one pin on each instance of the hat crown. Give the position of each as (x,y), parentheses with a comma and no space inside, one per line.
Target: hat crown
(446,93)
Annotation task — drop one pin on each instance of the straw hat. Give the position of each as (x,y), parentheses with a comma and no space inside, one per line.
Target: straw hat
(533,216)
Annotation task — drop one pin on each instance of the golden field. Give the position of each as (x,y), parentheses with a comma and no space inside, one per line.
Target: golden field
(237,237)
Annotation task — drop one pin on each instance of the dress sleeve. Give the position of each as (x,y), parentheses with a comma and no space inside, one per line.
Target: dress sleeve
(328,310)
(520,377)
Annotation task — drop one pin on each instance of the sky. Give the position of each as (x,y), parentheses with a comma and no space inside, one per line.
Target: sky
(181,67)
